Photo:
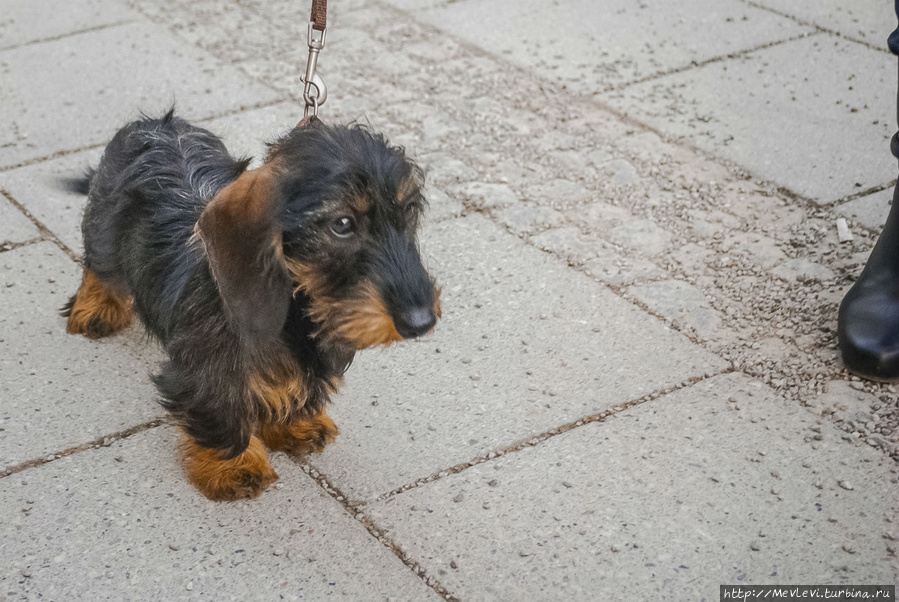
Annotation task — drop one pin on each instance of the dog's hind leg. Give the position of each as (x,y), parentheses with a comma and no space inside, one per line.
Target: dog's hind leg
(98,309)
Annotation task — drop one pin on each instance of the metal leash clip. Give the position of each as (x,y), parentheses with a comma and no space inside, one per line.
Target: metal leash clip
(312,79)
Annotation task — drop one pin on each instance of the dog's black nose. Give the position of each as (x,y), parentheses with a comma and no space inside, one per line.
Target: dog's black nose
(415,322)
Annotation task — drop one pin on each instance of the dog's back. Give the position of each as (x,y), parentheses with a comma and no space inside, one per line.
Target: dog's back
(145,197)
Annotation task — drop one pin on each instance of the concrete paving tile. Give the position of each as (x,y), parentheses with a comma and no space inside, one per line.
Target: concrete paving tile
(870,211)
(757,248)
(525,344)
(14,226)
(441,206)
(60,390)
(569,243)
(445,170)
(24,22)
(246,133)
(621,270)
(485,195)
(798,114)
(212,25)
(415,4)
(527,218)
(711,484)
(122,523)
(683,304)
(802,268)
(38,187)
(559,192)
(566,41)
(642,235)
(870,21)
(122,70)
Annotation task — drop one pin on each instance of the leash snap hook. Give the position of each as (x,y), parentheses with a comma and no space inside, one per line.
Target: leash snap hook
(314,100)
(315,39)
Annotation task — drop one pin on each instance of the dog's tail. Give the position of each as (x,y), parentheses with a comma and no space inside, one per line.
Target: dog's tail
(80,185)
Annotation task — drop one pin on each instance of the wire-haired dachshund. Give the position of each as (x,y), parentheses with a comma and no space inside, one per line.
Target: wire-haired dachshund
(260,284)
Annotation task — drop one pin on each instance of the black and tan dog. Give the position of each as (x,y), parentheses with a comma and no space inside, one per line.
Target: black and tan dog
(260,284)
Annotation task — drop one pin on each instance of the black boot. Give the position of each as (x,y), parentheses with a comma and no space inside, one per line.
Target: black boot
(868,325)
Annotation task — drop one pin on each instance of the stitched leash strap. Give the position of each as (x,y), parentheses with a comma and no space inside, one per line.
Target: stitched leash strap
(319,14)
(314,91)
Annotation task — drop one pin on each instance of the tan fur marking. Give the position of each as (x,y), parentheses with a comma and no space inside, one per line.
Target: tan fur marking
(244,476)
(438,309)
(302,436)
(99,309)
(406,188)
(278,389)
(360,203)
(306,278)
(362,320)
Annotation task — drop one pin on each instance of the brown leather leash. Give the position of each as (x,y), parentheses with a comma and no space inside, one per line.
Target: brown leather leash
(315,93)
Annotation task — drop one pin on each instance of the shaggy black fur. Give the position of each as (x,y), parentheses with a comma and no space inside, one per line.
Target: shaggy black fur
(339,201)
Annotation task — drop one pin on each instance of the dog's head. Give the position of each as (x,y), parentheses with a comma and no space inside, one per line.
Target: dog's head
(331,216)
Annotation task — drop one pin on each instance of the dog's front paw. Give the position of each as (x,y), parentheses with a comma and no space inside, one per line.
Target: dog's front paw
(244,476)
(303,436)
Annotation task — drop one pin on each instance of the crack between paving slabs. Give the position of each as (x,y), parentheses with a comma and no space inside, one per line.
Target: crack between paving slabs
(703,63)
(820,28)
(12,246)
(46,233)
(866,192)
(534,440)
(69,34)
(104,441)
(354,509)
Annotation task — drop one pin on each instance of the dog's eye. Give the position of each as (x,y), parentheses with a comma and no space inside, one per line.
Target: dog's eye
(343,226)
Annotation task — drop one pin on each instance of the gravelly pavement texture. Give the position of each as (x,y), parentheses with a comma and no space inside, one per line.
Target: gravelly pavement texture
(635,391)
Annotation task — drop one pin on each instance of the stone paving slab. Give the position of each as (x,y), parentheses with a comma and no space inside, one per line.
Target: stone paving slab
(870,211)
(14,226)
(786,113)
(246,133)
(712,484)
(60,390)
(524,345)
(38,188)
(870,21)
(25,22)
(567,42)
(685,305)
(122,523)
(92,83)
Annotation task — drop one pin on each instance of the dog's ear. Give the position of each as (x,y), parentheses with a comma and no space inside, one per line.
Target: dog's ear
(240,231)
